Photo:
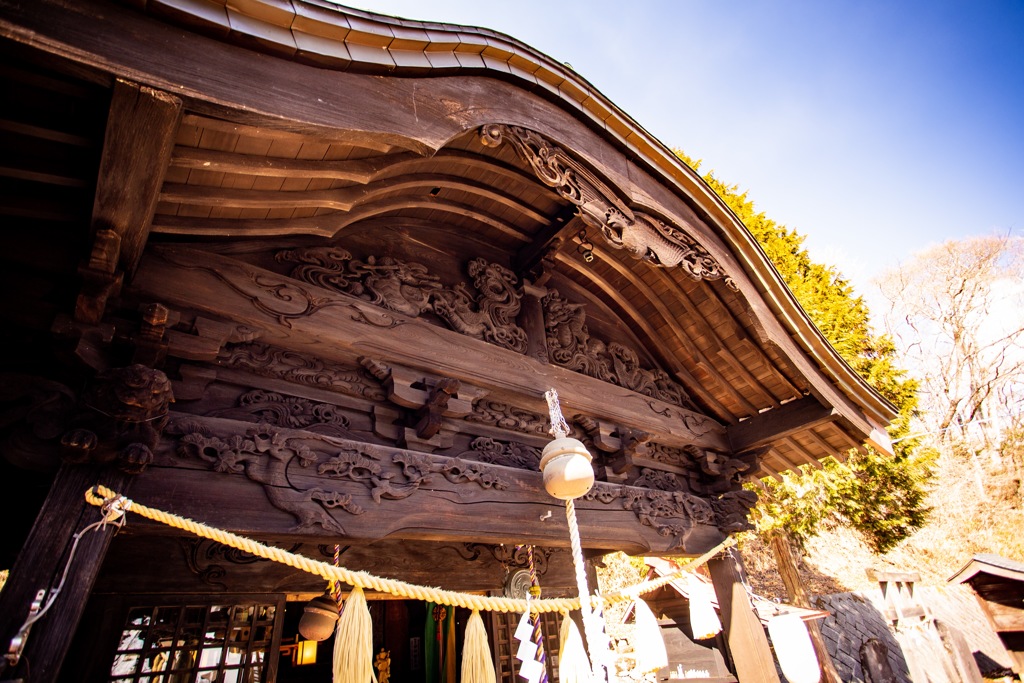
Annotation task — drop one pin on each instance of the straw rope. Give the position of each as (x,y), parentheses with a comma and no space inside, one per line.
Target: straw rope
(102,496)
(593,625)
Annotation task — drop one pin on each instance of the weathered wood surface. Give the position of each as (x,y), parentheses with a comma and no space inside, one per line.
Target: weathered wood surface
(168,563)
(281,483)
(329,324)
(140,136)
(748,643)
(41,564)
(770,426)
(423,115)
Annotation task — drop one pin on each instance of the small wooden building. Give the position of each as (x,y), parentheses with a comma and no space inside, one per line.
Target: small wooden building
(305,273)
(998,584)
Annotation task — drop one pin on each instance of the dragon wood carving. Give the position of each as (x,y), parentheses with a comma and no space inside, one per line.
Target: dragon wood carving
(641,235)
(404,287)
(265,455)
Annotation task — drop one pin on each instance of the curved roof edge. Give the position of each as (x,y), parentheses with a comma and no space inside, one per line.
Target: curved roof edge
(333,36)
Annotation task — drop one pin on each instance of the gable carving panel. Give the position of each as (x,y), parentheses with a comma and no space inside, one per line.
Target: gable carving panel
(571,346)
(485,310)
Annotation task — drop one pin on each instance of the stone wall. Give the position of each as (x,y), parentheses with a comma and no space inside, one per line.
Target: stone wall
(857,617)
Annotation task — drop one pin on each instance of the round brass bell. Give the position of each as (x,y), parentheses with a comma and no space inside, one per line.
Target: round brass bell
(318,618)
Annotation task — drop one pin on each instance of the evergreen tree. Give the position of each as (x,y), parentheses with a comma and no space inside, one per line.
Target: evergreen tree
(881,497)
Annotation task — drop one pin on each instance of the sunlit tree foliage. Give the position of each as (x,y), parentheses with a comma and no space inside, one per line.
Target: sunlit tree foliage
(881,497)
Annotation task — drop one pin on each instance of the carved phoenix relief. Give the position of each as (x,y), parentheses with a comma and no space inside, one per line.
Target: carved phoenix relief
(641,235)
(487,311)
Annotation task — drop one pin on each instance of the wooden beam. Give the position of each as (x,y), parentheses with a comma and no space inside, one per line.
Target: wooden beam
(772,425)
(801,451)
(139,139)
(331,324)
(41,564)
(343,198)
(748,642)
(554,235)
(355,170)
(785,562)
(316,488)
(326,225)
(155,559)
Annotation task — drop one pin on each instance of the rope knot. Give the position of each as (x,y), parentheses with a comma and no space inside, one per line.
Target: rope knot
(114,508)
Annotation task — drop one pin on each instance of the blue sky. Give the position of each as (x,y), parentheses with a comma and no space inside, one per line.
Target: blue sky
(873,128)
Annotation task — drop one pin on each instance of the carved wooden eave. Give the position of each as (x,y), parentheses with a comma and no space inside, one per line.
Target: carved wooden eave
(551,240)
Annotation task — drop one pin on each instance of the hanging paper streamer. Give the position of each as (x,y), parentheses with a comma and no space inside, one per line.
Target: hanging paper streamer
(649,643)
(529,667)
(477,664)
(573,665)
(704,621)
(353,641)
(793,648)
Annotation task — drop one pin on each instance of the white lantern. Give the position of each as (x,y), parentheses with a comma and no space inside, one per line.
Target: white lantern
(568,473)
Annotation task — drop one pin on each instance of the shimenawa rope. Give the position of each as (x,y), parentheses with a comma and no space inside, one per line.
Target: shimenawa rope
(102,496)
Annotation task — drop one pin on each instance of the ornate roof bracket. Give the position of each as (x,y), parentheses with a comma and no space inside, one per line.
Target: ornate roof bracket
(641,235)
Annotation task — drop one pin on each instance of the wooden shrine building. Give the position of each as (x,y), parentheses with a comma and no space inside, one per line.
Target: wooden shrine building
(305,273)
(998,585)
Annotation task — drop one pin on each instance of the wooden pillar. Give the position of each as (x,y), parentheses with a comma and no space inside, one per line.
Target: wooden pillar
(41,564)
(747,640)
(141,127)
(786,564)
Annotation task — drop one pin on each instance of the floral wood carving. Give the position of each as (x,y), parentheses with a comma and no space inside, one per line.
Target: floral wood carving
(487,313)
(292,412)
(455,470)
(707,472)
(268,361)
(660,480)
(698,424)
(512,454)
(265,455)
(670,513)
(571,345)
(280,298)
(508,417)
(669,455)
(642,236)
